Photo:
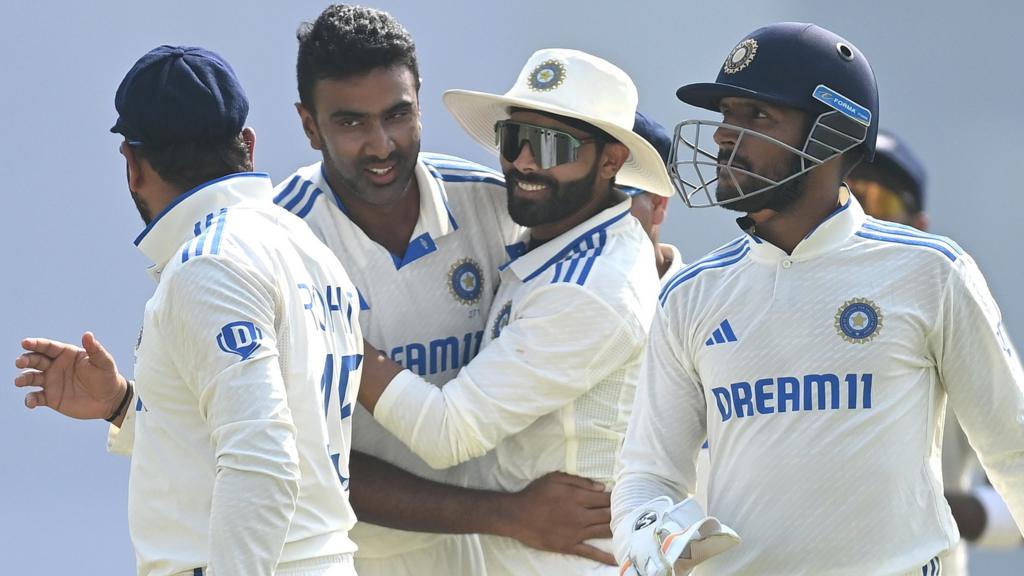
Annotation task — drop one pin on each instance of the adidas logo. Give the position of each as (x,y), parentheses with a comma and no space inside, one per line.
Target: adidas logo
(722,334)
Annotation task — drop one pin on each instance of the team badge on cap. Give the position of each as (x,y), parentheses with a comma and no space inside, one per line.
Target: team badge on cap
(858,320)
(465,281)
(501,320)
(547,76)
(741,56)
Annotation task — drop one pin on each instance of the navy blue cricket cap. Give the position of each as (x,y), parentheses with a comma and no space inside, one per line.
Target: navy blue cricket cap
(785,64)
(177,94)
(656,135)
(894,155)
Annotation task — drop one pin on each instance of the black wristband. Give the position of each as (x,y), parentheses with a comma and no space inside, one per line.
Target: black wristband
(124,402)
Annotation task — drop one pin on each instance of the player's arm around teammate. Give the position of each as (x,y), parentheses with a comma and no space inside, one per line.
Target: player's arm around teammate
(557,512)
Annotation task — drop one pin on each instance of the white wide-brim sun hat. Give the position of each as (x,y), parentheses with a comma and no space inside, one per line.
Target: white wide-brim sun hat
(576,85)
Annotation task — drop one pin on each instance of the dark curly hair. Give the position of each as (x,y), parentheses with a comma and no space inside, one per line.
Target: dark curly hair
(189,164)
(349,41)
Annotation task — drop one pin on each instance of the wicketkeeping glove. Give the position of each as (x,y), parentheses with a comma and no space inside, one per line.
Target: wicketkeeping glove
(660,539)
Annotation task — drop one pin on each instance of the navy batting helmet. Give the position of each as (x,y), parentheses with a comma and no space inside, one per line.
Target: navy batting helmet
(800,66)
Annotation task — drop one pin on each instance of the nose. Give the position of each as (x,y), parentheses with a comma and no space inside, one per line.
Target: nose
(379,142)
(525,162)
(725,137)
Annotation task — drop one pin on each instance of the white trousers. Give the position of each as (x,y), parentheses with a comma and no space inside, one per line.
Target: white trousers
(454,555)
(336,565)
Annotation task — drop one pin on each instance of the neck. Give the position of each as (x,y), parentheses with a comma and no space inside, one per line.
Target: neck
(788,228)
(544,232)
(390,225)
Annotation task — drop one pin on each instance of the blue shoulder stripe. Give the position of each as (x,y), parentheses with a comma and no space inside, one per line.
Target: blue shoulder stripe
(576,266)
(692,271)
(304,211)
(909,241)
(287,190)
(194,247)
(602,239)
(290,205)
(910,232)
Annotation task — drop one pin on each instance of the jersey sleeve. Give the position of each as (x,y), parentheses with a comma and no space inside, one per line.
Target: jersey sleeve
(221,323)
(982,375)
(563,341)
(666,429)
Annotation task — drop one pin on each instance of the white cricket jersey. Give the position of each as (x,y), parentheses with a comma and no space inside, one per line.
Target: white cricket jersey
(553,387)
(820,380)
(246,372)
(427,310)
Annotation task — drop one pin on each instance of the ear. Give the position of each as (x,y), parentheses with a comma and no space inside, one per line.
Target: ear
(249,137)
(136,175)
(659,209)
(920,221)
(612,158)
(308,120)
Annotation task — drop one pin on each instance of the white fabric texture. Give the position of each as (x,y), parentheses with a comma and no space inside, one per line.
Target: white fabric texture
(238,463)
(820,380)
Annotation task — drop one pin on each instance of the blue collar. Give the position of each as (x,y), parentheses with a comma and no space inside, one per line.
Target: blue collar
(530,264)
(179,221)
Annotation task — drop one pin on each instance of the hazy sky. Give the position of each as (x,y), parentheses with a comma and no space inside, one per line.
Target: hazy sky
(947,73)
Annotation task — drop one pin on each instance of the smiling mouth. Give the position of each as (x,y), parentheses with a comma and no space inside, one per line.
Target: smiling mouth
(530,186)
(381,171)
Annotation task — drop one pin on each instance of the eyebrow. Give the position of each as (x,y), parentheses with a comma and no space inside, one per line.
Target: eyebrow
(342,113)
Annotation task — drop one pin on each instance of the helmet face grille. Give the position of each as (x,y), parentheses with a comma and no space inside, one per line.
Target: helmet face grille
(697,164)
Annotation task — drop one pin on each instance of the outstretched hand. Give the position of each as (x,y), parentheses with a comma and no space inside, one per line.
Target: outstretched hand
(78,382)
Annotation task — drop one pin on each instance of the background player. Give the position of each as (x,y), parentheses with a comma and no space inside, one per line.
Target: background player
(650,208)
(893,187)
(422,236)
(249,354)
(819,386)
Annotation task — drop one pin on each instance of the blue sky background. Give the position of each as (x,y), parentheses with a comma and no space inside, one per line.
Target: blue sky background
(950,83)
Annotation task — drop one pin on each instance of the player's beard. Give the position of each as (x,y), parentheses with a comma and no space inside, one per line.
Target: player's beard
(563,199)
(777,198)
(354,180)
(140,204)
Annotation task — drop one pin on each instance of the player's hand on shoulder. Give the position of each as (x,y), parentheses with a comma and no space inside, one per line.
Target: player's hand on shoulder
(558,512)
(662,539)
(78,382)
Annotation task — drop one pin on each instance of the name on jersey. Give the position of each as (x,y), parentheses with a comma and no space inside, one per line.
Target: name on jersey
(438,355)
(327,307)
(811,392)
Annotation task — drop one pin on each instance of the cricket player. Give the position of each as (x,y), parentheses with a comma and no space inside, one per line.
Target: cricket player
(552,387)
(817,351)
(422,236)
(893,187)
(649,208)
(249,358)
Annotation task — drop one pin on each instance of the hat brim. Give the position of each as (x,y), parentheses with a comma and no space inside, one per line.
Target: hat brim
(477,112)
(708,94)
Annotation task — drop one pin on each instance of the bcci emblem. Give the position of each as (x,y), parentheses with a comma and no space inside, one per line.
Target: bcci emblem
(241,338)
(547,76)
(741,56)
(858,321)
(501,320)
(465,281)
